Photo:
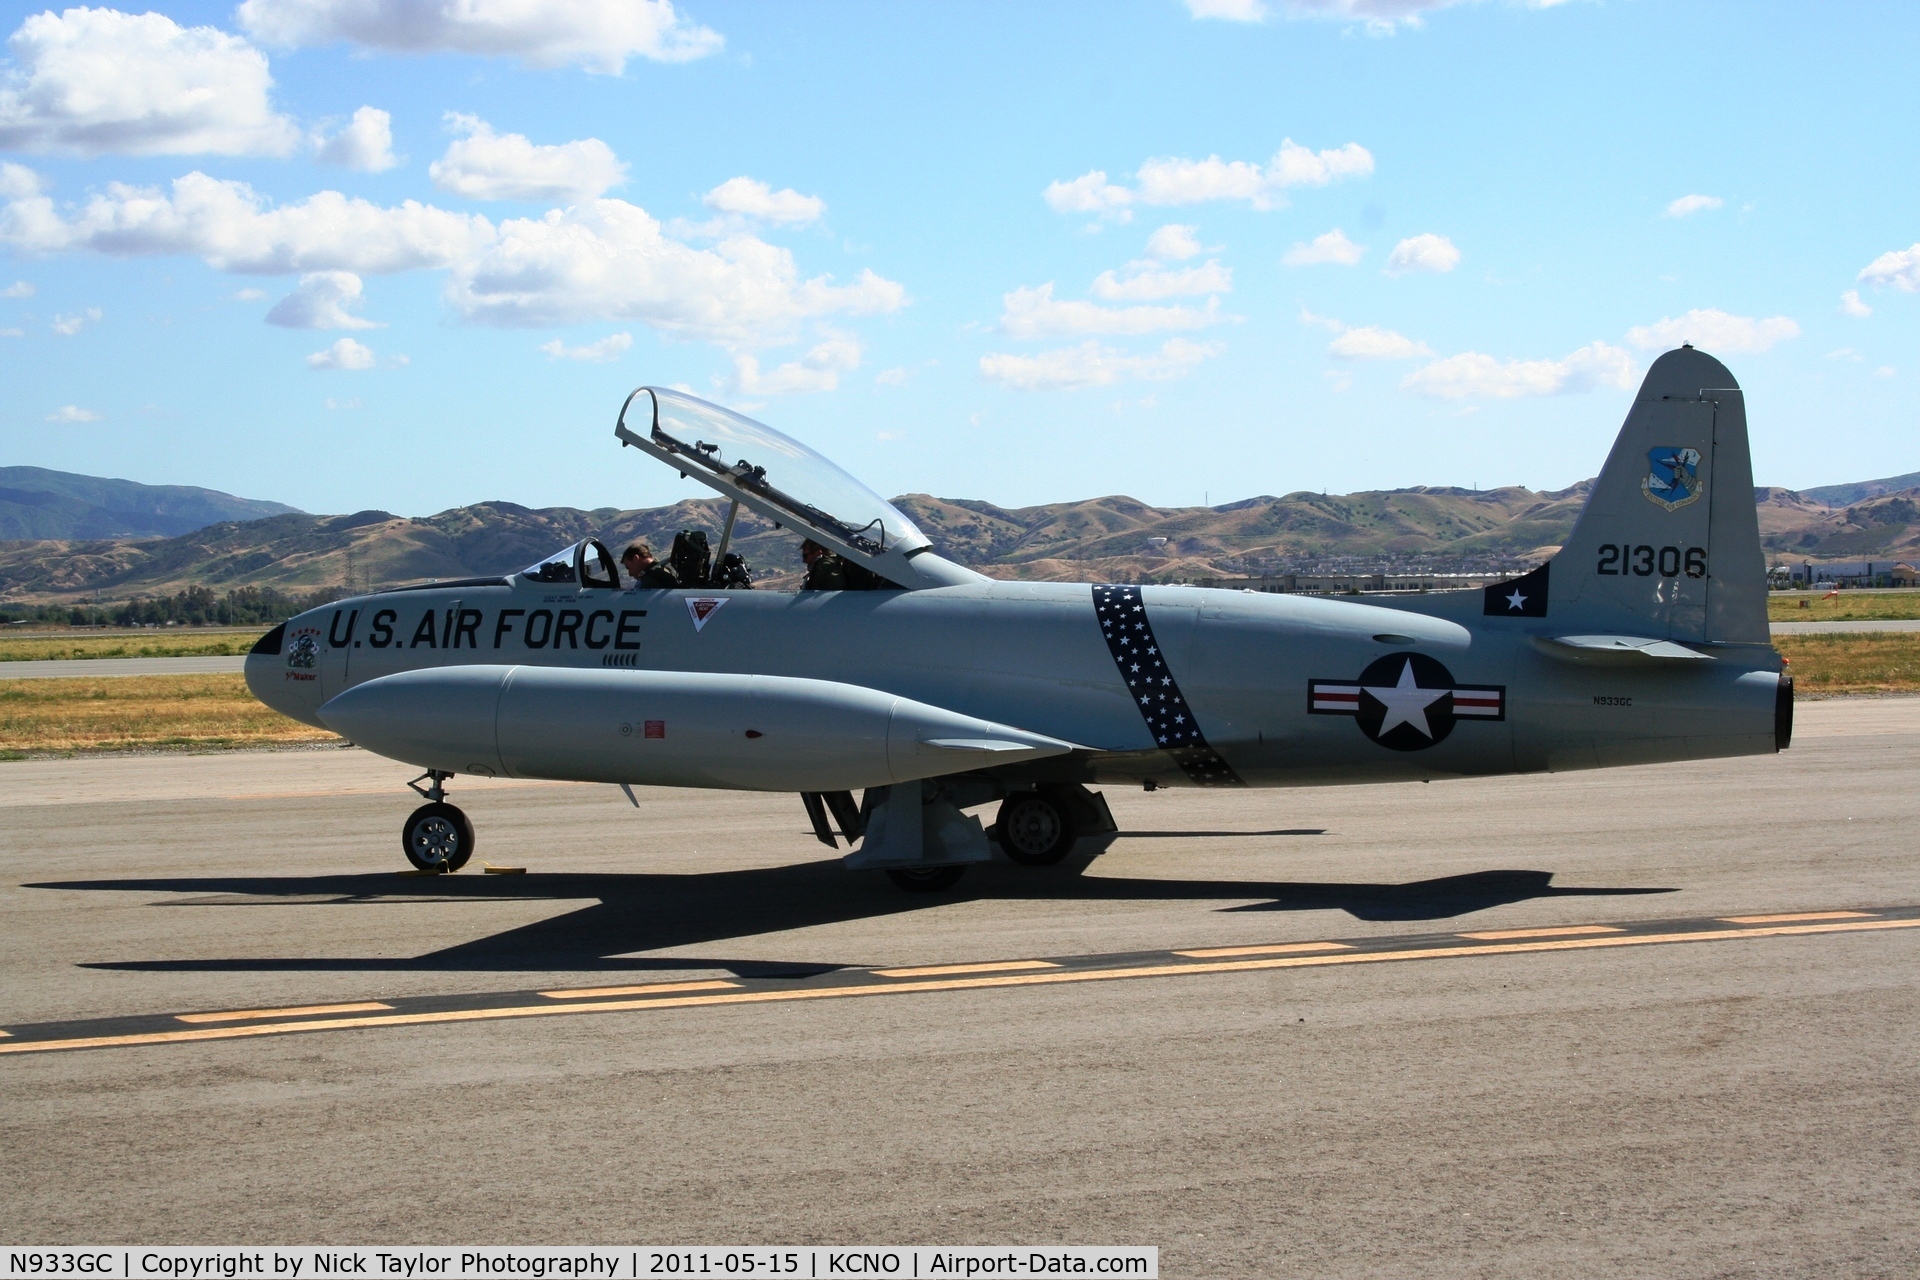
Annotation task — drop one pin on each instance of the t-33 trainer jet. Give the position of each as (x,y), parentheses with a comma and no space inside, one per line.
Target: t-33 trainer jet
(940,690)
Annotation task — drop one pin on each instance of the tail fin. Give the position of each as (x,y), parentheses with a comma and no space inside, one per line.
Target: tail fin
(1669,544)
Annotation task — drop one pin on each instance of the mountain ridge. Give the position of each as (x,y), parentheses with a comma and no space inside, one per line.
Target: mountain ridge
(37,503)
(1109,538)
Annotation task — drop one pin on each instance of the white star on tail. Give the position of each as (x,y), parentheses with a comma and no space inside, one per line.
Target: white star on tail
(1406,703)
(1516,600)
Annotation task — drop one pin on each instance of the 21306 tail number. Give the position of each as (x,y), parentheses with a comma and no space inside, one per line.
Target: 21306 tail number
(1619,560)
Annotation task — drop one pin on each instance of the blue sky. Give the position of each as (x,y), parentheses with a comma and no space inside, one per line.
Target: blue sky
(366,253)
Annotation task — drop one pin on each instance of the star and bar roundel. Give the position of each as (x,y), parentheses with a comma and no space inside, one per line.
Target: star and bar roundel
(1129,635)
(1406,701)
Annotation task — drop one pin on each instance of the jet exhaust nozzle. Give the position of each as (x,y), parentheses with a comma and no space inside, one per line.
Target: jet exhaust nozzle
(666,728)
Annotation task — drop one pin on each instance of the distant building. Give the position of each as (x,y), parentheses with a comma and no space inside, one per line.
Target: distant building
(1844,573)
(1905,575)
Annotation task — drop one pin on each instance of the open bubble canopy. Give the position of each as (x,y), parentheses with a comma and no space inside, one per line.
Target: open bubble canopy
(779,470)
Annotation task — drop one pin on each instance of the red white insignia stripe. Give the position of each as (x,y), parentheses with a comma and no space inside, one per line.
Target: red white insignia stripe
(1336,697)
(1478,702)
(1483,702)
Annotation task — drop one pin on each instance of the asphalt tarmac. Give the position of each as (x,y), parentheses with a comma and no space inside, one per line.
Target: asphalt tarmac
(1659,1021)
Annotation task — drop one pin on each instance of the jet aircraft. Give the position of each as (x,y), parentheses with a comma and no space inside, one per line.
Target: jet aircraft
(1644,640)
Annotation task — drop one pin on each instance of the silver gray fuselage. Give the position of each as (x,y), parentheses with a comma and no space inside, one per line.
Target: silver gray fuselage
(1034,656)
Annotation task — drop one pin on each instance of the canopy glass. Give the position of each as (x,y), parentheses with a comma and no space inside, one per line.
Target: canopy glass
(779,470)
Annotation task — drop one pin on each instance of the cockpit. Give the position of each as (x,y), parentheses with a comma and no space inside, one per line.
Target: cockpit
(586,563)
(869,541)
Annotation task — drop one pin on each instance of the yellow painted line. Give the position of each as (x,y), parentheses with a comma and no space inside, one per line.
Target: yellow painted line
(1801,915)
(1558,931)
(1274,950)
(298,1011)
(940,970)
(646,989)
(950,984)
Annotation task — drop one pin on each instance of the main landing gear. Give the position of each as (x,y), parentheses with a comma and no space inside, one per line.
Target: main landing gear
(1036,828)
(437,838)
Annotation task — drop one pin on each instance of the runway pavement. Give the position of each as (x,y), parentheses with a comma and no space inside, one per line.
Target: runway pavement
(1659,1021)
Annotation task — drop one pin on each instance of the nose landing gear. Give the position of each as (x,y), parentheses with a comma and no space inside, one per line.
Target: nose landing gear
(437,837)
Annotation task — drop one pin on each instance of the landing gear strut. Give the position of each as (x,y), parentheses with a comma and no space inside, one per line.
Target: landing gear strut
(437,837)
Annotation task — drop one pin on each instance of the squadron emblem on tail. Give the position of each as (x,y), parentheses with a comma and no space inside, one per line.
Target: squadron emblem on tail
(1673,477)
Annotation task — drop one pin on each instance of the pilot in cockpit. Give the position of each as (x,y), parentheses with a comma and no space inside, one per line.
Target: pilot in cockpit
(644,569)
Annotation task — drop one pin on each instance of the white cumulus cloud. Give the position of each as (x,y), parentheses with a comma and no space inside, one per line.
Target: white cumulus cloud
(598,35)
(72,413)
(1713,331)
(1228,10)
(1383,17)
(1174,243)
(818,370)
(1474,375)
(68,325)
(1687,205)
(1850,305)
(1898,267)
(1333,247)
(1427,252)
(1175,180)
(230,227)
(1093,365)
(610,260)
(97,81)
(1147,281)
(751,198)
(366,143)
(18,289)
(1036,313)
(1374,343)
(344,354)
(1364,342)
(324,300)
(17,182)
(484,165)
(611,347)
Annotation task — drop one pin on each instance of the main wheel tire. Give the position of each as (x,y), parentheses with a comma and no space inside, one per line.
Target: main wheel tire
(926,879)
(1035,828)
(437,837)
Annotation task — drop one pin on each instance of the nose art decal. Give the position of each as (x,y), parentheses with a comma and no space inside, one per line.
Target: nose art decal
(1123,620)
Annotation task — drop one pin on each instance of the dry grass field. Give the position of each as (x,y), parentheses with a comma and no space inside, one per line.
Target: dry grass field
(123,713)
(1847,606)
(1853,662)
(177,643)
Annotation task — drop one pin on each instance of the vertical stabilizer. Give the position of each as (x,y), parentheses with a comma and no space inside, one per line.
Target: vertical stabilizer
(1669,544)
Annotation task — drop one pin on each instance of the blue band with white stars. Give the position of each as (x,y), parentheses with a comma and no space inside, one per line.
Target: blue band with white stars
(1123,620)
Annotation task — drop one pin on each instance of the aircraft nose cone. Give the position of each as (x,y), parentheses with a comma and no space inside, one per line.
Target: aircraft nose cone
(287,681)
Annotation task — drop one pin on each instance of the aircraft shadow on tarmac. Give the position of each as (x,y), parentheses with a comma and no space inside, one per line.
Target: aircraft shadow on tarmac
(625,914)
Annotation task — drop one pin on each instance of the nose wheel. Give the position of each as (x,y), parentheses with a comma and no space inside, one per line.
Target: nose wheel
(437,838)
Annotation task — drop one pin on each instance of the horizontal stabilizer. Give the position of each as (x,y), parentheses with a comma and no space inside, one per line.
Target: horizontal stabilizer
(1629,650)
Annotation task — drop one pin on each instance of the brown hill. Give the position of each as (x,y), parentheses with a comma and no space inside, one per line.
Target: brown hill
(1110,538)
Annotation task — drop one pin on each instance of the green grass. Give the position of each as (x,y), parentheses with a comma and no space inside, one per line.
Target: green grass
(176,643)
